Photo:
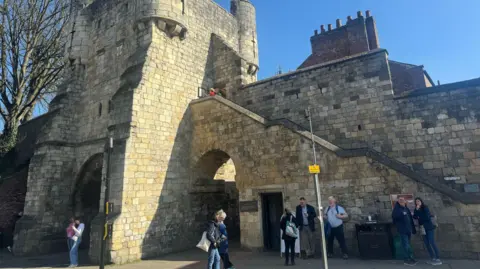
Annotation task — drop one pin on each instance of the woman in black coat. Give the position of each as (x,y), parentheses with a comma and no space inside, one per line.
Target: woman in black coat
(289,240)
(424,217)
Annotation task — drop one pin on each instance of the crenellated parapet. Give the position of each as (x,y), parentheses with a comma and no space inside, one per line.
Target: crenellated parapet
(358,35)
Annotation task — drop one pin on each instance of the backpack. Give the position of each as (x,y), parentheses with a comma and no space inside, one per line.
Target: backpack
(347,219)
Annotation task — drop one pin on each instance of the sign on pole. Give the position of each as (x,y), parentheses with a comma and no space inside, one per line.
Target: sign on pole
(314,169)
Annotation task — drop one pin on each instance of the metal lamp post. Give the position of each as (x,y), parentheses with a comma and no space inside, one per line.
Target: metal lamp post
(318,193)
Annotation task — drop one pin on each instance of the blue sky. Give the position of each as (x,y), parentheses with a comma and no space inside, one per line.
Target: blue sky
(443,35)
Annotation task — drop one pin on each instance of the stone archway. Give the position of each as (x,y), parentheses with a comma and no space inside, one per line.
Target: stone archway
(213,187)
(85,201)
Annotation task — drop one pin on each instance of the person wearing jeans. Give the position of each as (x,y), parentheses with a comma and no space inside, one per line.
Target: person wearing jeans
(403,220)
(70,234)
(287,239)
(334,216)
(78,229)
(215,238)
(223,249)
(424,217)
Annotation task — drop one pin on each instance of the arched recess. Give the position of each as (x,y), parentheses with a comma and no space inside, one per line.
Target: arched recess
(213,187)
(85,200)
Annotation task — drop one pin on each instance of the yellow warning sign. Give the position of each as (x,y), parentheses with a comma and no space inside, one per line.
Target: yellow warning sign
(314,169)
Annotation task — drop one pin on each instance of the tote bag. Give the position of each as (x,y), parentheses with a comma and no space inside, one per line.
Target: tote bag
(291,230)
(204,244)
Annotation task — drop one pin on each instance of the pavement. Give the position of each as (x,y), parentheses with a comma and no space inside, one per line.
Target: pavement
(196,259)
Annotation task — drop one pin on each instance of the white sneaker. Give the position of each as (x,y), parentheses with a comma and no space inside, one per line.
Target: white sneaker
(9,249)
(437,262)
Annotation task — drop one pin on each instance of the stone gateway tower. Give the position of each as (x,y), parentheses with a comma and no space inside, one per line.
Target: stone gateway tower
(382,128)
(134,67)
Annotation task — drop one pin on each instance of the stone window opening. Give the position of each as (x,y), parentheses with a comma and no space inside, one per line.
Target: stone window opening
(110,106)
(359,127)
(99,23)
(254,42)
(99,110)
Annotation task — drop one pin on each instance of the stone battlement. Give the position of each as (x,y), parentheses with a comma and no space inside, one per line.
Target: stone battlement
(356,36)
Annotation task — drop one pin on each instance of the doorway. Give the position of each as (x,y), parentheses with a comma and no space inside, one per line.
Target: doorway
(272,208)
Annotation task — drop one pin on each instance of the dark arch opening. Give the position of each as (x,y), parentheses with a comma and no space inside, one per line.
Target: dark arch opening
(214,188)
(85,201)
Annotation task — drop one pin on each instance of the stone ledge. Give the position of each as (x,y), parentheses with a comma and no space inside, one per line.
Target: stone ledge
(466,198)
(442,88)
(171,27)
(59,143)
(317,66)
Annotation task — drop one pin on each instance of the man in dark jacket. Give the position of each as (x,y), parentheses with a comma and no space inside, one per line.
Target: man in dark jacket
(215,238)
(305,215)
(402,218)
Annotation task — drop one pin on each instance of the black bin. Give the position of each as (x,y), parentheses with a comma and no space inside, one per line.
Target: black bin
(375,241)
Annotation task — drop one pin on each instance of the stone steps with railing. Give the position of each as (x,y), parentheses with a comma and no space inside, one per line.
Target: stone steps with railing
(402,168)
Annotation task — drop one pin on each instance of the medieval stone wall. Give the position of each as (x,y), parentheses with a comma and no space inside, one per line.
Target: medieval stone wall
(276,159)
(150,123)
(353,105)
(133,69)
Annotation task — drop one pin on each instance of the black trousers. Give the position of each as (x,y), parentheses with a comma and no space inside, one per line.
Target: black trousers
(337,232)
(289,250)
(226,260)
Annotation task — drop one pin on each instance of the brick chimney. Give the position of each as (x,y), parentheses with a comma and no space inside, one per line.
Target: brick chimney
(356,36)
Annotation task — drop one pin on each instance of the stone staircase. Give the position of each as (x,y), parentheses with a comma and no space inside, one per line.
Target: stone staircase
(375,156)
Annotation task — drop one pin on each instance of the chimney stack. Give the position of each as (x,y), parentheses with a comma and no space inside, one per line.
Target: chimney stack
(322,28)
(368,14)
(339,23)
(329,27)
(316,32)
(359,14)
(349,19)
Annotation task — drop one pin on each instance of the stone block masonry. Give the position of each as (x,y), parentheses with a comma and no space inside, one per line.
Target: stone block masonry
(133,69)
(276,159)
(434,130)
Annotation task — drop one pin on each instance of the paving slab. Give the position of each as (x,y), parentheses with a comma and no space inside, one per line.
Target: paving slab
(196,259)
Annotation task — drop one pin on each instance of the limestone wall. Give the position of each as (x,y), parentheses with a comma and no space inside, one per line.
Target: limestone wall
(133,67)
(353,105)
(150,123)
(276,159)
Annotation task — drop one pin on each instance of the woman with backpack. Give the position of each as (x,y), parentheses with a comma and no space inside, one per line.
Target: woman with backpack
(424,217)
(289,226)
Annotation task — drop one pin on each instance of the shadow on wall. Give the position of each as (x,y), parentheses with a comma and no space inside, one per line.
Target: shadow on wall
(189,198)
(85,200)
(190,195)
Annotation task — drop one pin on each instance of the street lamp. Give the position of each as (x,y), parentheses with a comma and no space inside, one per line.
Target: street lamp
(317,191)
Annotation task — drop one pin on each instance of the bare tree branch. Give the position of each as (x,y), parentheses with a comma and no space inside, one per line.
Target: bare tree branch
(31,57)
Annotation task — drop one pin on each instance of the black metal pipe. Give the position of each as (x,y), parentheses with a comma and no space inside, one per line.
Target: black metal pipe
(105,208)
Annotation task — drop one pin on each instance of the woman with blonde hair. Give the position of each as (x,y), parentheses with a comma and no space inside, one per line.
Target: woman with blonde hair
(215,238)
(227,264)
